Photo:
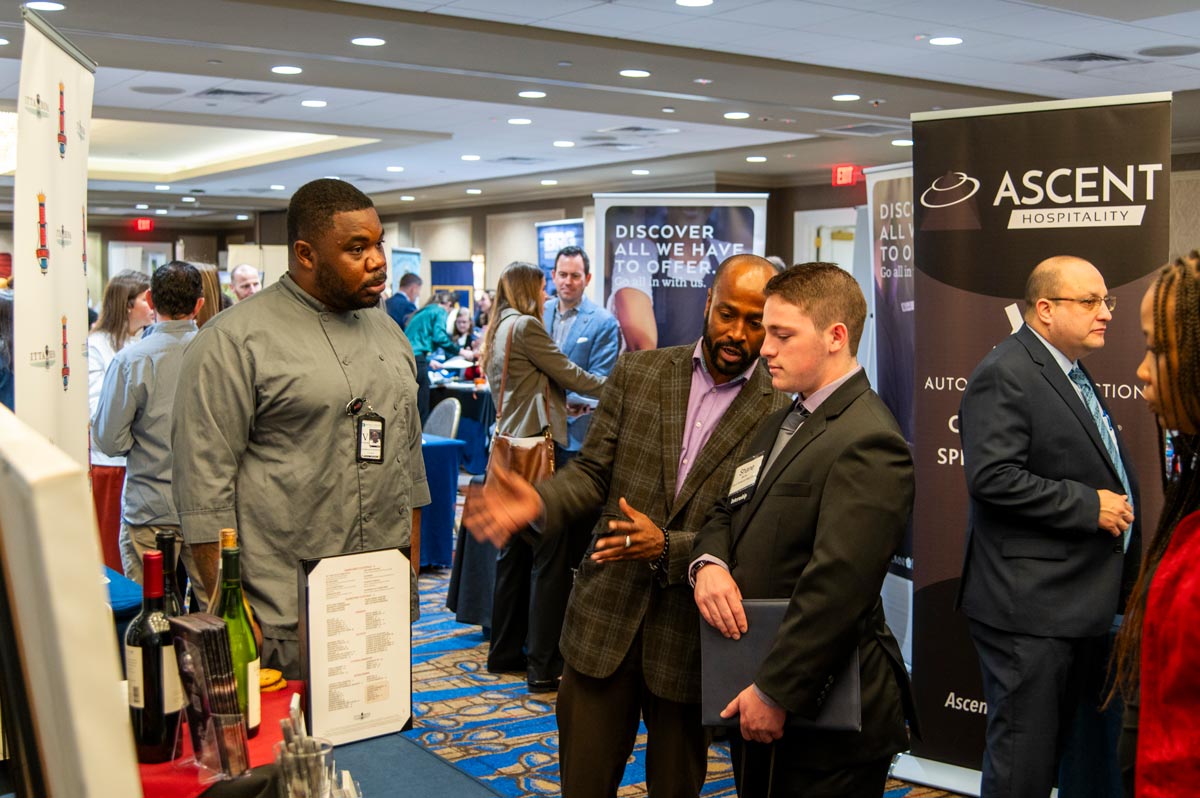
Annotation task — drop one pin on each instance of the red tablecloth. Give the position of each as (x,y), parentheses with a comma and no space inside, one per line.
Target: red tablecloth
(178,780)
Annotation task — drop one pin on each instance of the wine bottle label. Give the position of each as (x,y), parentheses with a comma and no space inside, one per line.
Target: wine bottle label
(133,669)
(253,695)
(172,687)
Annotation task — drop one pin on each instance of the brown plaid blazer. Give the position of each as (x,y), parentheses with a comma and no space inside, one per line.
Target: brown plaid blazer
(632,450)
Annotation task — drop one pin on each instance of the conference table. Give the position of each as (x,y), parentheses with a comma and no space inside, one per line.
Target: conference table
(442,457)
(478,416)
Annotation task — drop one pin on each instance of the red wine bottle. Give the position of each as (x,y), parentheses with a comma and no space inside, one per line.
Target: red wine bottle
(155,692)
(172,597)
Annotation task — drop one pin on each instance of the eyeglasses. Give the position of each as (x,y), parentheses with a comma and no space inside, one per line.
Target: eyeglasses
(1091,303)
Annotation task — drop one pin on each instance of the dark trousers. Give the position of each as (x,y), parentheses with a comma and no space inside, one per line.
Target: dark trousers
(1034,687)
(771,771)
(1091,763)
(598,724)
(423,386)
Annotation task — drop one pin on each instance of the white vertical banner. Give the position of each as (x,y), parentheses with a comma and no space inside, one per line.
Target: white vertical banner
(49,238)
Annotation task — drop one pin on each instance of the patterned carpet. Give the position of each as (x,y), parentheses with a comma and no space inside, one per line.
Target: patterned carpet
(489,727)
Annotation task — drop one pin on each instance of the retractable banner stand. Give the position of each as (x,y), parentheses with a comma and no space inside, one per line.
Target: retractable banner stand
(892,236)
(997,191)
(49,238)
(659,253)
(553,236)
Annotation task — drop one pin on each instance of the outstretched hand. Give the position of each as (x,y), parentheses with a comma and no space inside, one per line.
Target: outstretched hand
(502,507)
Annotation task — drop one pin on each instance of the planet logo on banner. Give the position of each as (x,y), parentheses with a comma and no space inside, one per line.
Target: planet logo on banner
(951,203)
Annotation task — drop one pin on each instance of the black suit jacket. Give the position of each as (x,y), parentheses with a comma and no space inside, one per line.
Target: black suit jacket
(820,528)
(1036,561)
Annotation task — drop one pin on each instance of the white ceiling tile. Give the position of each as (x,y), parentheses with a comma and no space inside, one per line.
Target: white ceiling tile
(622,18)
(787,13)
(713,30)
(1119,39)
(954,12)
(538,9)
(1040,23)
(1185,24)
(491,16)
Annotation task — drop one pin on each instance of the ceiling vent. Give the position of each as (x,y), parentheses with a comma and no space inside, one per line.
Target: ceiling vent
(237,96)
(867,129)
(617,146)
(1085,62)
(517,160)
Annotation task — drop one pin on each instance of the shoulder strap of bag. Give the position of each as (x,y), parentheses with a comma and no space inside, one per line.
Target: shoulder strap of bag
(504,382)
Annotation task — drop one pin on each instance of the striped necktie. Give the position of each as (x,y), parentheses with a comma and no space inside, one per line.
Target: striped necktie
(1103,425)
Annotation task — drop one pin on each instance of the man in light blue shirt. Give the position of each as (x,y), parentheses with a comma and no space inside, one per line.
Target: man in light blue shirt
(133,417)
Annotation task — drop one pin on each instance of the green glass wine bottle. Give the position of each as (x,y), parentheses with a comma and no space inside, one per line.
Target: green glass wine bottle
(231,606)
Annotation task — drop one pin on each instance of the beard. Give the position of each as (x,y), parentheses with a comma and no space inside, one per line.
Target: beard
(712,351)
(337,296)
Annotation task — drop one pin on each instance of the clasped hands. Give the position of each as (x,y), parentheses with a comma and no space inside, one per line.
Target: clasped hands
(1116,513)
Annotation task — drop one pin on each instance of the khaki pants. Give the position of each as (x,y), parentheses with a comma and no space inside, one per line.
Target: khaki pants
(136,540)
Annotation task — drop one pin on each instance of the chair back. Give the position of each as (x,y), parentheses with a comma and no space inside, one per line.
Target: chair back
(443,419)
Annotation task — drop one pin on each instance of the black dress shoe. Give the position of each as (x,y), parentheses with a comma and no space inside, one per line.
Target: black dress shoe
(543,685)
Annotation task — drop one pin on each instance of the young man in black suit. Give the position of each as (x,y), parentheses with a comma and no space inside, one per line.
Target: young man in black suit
(813,515)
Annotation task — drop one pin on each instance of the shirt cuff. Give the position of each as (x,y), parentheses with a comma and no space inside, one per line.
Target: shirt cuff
(766,699)
(695,566)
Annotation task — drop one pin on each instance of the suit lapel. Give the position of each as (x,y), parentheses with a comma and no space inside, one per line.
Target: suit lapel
(737,422)
(675,388)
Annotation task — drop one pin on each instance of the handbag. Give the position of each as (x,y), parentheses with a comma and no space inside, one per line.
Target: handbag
(530,456)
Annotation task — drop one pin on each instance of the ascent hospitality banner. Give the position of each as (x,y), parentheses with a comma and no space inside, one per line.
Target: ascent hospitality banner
(998,190)
(50,238)
(659,253)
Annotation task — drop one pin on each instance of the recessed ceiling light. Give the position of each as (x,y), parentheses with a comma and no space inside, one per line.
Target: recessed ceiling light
(845,98)
(474,191)
(215,61)
(945,41)
(187,199)
(470,157)
(531,95)
(395,168)
(737,115)
(520,120)
(243,217)
(756,158)
(668,109)
(407,198)
(277,187)
(565,64)
(161,212)
(564,143)
(368,41)
(141,206)
(332,177)
(635,73)
(42,5)
(549,182)
(693,3)
(286,70)
(702,81)
(639,172)
(3,42)
(161,187)
(902,142)
(314,103)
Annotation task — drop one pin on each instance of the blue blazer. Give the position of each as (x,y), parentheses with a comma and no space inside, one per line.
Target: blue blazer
(593,344)
(400,307)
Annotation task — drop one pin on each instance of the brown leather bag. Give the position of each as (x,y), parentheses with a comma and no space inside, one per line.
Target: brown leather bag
(531,456)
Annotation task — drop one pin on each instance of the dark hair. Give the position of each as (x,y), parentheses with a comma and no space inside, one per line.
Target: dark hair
(570,252)
(175,288)
(827,293)
(6,332)
(520,288)
(312,208)
(409,278)
(1176,308)
(119,296)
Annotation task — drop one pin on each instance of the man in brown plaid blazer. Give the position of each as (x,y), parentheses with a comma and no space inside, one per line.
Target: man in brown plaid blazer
(631,635)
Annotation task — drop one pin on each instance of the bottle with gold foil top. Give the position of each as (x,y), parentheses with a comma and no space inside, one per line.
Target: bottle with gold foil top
(231,606)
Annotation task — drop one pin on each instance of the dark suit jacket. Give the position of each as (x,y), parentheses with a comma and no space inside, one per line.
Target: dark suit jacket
(820,528)
(400,307)
(1036,562)
(633,451)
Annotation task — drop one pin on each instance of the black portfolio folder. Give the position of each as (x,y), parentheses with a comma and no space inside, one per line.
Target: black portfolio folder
(728,666)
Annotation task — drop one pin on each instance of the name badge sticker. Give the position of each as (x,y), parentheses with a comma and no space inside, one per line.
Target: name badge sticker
(745,476)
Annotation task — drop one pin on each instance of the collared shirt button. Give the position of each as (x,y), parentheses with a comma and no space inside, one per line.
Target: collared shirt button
(395,405)
(381,356)
(699,424)
(366,516)
(346,360)
(399,459)
(356,314)
(362,465)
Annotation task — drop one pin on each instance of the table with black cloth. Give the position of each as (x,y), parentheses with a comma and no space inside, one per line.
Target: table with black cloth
(478,416)
(442,456)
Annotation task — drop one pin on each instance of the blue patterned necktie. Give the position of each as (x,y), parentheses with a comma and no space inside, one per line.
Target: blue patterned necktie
(1102,425)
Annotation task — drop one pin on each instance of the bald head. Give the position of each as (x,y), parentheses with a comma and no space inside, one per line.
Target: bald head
(245,281)
(1065,303)
(733,331)
(1047,277)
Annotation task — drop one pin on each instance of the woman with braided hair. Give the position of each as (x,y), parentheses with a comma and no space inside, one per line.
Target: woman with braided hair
(1158,648)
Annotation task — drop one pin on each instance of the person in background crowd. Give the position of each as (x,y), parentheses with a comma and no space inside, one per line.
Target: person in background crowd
(215,300)
(484,300)
(124,313)
(1053,542)
(532,580)
(245,281)
(464,331)
(272,435)
(402,305)
(779,263)
(6,349)
(671,425)
(133,417)
(803,528)
(427,332)
(1158,647)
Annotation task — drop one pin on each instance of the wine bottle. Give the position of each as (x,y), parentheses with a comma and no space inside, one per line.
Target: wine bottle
(231,607)
(155,692)
(172,597)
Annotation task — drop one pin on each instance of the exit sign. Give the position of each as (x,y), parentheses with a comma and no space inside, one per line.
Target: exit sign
(846,174)
(143,225)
